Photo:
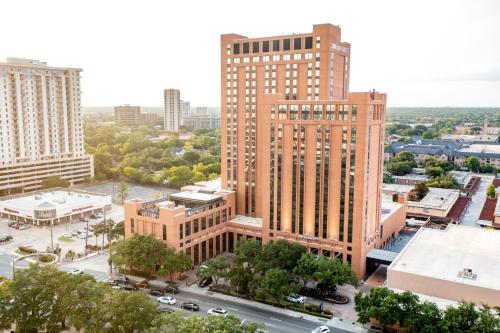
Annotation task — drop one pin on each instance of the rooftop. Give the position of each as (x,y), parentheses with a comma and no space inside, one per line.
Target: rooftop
(438,198)
(412,176)
(497,209)
(489,208)
(248,220)
(58,198)
(396,188)
(442,254)
(388,207)
(462,177)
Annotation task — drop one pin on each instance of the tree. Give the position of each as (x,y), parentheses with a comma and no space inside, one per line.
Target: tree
(459,319)
(54,181)
(434,171)
(122,191)
(419,192)
(399,168)
(173,262)
(177,322)
(306,267)
(123,312)
(334,272)
(275,283)
(247,252)
(216,268)
(179,176)
(388,178)
(192,157)
(490,191)
(241,278)
(280,254)
(443,181)
(472,163)
(406,156)
(424,320)
(138,252)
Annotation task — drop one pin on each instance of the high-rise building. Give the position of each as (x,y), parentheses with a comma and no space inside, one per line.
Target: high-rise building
(132,116)
(185,109)
(301,152)
(41,131)
(301,157)
(172,116)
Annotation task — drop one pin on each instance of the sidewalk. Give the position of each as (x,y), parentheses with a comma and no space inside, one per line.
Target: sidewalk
(334,322)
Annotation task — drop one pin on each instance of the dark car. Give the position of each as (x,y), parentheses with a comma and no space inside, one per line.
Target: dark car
(121,279)
(12,224)
(155,293)
(171,290)
(205,282)
(5,238)
(190,306)
(128,287)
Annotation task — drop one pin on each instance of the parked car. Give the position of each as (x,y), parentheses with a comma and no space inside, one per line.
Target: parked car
(190,306)
(98,215)
(205,282)
(6,238)
(155,293)
(24,226)
(76,271)
(117,287)
(295,298)
(321,329)
(167,300)
(82,219)
(171,290)
(217,312)
(67,235)
(82,235)
(121,279)
(12,224)
(93,216)
(74,233)
(128,287)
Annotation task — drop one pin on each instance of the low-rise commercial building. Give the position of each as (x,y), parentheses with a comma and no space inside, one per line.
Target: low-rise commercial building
(410,179)
(393,218)
(133,116)
(488,153)
(458,263)
(54,206)
(438,202)
(422,148)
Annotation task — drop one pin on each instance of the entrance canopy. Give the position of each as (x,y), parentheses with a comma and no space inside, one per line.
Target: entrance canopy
(381,256)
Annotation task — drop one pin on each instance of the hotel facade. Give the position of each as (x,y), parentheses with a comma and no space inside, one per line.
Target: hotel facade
(41,130)
(301,155)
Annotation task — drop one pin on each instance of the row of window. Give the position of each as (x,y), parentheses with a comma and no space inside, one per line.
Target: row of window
(276,57)
(342,112)
(198,224)
(275,45)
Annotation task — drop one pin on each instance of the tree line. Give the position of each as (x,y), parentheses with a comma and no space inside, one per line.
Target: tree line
(406,311)
(43,299)
(132,155)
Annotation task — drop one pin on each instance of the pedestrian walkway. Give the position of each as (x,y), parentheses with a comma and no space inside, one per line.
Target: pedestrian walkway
(334,322)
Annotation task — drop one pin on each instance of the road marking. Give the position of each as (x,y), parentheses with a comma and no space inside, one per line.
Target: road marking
(275,319)
(232,308)
(192,299)
(271,325)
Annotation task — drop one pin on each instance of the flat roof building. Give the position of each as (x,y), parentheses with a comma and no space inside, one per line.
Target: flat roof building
(41,126)
(458,263)
(410,179)
(437,202)
(55,206)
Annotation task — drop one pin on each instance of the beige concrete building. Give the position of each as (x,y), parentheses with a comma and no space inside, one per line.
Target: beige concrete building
(130,115)
(437,202)
(301,156)
(172,115)
(459,263)
(41,130)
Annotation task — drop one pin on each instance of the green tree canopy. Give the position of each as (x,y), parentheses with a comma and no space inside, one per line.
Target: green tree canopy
(54,181)
(138,252)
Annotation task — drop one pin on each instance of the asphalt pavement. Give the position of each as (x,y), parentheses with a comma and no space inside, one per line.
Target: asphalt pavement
(273,321)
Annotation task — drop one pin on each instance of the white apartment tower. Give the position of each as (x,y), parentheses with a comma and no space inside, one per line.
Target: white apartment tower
(41,130)
(185,109)
(172,117)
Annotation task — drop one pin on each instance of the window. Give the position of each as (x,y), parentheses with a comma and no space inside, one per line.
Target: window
(286,44)
(217,217)
(276,45)
(180,231)
(236,48)
(309,42)
(297,43)
(255,47)
(265,46)
(164,227)
(203,222)
(195,226)
(246,48)
(188,228)
(132,225)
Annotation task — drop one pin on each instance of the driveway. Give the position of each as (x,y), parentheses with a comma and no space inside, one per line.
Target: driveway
(477,201)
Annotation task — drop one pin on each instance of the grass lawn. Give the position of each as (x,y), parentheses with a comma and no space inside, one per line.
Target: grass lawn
(65,239)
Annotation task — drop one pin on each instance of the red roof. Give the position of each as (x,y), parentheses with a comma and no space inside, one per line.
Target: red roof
(487,214)
(496,182)
(458,208)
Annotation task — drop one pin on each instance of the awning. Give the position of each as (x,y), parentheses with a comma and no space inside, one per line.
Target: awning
(381,256)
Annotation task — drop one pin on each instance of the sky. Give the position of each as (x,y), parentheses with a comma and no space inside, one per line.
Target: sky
(421,53)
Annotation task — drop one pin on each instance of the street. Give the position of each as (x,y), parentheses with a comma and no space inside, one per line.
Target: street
(476,205)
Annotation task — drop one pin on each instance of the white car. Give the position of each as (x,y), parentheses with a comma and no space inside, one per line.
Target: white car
(321,329)
(167,300)
(217,312)
(76,271)
(295,298)
(24,226)
(82,235)
(67,235)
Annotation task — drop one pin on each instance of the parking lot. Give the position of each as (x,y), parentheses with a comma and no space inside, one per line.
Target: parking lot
(134,191)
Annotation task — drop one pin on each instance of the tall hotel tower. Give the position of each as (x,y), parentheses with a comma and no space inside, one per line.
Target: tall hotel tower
(302,152)
(172,115)
(41,130)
